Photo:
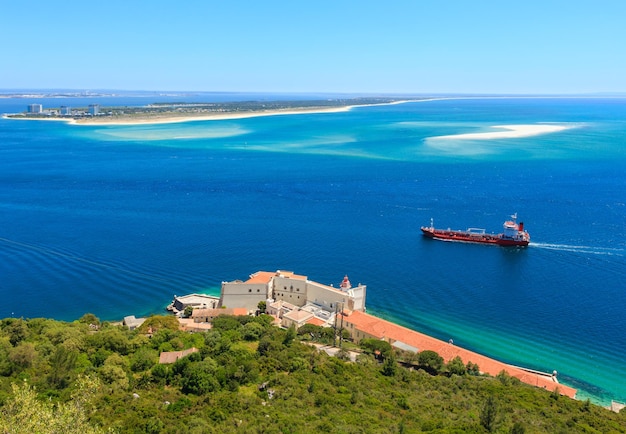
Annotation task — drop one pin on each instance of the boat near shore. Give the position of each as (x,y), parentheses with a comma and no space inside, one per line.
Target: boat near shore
(514,234)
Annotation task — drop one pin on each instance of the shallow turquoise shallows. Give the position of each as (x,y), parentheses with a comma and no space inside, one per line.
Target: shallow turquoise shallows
(116,220)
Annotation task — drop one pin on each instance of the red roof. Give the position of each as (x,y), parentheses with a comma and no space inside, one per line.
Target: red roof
(389,331)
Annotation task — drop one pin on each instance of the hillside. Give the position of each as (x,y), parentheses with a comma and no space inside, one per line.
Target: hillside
(249,376)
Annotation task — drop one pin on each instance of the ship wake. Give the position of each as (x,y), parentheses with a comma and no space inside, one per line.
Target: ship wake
(593,250)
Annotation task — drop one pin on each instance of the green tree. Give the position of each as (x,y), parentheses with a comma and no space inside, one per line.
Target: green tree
(89,318)
(23,355)
(226,322)
(112,338)
(262,306)
(24,413)
(252,331)
(430,361)
(16,329)
(159,322)
(379,348)
(200,378)
(390,366)
(160,373)
(290,335)
(115,376)
(62,364)
(310,331)
(143,359)
(489,414)
(456,367)
(472,368)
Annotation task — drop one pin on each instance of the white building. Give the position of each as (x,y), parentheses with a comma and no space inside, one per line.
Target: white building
(94,109)
(196,301)
(34,108)
(291,288)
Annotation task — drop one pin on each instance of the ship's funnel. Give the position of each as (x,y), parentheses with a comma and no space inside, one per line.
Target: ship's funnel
(521,226)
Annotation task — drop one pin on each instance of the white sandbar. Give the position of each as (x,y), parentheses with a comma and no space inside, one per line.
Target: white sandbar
(511,131)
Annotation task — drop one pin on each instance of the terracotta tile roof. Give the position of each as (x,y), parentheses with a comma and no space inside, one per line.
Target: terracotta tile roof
(260,277)
(290,274)
(172,356)
(316,321)
(389,331)
(212,313)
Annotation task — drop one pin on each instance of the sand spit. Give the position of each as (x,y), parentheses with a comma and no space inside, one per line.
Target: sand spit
(170,118)
(510,132)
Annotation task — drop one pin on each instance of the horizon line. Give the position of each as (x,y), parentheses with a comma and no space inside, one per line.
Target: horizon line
(87,92)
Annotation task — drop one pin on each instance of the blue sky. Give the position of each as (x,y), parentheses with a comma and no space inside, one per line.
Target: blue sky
(404,46)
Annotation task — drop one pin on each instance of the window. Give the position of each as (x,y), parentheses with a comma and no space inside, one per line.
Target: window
(258,290)
(250,290)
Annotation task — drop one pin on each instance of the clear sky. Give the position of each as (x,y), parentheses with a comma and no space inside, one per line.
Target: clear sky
(403,46)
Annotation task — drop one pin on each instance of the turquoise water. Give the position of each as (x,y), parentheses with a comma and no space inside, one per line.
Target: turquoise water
(116,220)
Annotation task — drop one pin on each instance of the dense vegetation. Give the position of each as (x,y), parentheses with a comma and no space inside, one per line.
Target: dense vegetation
(249,376)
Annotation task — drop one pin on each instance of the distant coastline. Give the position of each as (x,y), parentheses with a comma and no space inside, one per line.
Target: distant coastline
(168,113)
(184,112)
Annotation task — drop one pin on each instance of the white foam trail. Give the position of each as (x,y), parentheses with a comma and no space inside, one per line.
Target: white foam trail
(593,250)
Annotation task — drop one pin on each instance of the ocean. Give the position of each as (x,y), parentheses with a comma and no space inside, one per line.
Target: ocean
(116,220)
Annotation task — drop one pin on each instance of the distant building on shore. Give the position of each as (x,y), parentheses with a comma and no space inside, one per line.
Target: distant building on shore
(65,110)
(196,301)
(34,108)
(132,323)
(291,288)
(94,109)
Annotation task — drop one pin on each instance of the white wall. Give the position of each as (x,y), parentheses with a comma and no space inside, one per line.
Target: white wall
(241,294)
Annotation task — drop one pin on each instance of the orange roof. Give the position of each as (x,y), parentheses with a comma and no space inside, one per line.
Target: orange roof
(387,330)
(316,321)
(290,274)
(240,311)
(266,276)
(236,311)
(260,277)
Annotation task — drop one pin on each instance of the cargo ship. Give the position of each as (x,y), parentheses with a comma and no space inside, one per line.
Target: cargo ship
(514,234)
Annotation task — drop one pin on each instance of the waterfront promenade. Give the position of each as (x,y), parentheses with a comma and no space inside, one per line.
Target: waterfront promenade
(378,328)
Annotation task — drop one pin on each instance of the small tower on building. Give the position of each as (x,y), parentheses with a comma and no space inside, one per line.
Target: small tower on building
(345,284)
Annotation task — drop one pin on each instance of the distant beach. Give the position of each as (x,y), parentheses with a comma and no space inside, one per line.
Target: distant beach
(172,118)
(150,118)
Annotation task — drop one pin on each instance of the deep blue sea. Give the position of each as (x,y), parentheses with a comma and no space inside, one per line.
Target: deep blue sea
(116,220)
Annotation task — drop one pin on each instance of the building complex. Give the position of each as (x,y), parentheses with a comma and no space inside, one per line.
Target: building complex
(294,300)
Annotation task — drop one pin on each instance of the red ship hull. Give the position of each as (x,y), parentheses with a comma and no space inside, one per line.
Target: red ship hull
(514,235)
